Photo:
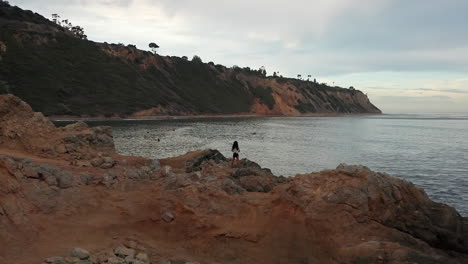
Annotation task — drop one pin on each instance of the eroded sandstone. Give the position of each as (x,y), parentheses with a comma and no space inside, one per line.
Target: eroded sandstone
(218,213)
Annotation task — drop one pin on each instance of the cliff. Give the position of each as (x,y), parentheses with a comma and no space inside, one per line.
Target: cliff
(196,207)
(59,74)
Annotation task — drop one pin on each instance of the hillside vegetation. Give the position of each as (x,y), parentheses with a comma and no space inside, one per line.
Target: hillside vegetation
(58,73)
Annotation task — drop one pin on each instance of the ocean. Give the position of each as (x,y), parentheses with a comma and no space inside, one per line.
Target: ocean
(430,150)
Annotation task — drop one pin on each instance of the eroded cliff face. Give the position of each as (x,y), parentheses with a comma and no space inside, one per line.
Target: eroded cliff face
(59,74)
(198,208)
(265,95)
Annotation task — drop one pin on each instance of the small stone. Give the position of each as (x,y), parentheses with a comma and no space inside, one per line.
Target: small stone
(115,260)
(64,180)
(124,252)
(72,260)
(130,244)
(80,253)
(30,172)
(55,260)
(142,257)
(167,217)
(96,162)
(166,171)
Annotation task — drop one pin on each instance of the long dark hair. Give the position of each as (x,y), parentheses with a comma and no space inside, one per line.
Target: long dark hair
(235,145)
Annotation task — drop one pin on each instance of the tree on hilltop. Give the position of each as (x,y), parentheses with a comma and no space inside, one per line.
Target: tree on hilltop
(196,59)
(79,32)
(67,25)
(153,47)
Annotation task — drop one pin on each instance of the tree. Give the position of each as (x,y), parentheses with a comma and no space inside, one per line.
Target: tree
(352,88)
(262,71)
(274,74)
(196,59)
(56,19)
(184,58)
(153,47)
(78,31)
(299,76)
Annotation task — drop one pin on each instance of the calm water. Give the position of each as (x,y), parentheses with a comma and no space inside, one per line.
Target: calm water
(429,150)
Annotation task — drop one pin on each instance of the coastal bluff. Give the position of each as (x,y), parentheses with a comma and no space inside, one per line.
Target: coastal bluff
(66,196)
(59,74)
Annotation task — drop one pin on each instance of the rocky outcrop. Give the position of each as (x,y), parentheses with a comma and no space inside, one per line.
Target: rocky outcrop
(347,215)
(21,129)
(197,207)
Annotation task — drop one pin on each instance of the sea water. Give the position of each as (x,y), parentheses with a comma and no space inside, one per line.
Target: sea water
(430,150)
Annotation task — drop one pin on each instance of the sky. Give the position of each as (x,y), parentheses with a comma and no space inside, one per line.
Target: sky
(408,56)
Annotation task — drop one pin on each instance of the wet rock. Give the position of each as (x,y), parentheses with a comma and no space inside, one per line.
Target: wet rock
(79,253)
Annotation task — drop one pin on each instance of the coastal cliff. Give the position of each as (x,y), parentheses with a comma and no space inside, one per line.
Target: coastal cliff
(66,190)
(59,74)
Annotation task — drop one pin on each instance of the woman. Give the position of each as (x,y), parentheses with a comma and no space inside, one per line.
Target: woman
(235,150)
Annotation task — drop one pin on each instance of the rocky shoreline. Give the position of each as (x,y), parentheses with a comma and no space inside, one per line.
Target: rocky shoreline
(66,196)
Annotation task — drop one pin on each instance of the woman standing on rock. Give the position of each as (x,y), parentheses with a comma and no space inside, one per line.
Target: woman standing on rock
(235,156)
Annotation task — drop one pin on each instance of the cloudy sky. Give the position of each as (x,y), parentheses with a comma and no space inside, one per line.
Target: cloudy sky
(409,56)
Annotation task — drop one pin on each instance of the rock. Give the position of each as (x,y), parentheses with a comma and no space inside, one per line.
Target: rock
(353,170)
(79,253)
(115,260)
(96,162)
(154,164)
(124,252)
(253,179)
(109,179)
(245,163)
(142,257)
(167,171)
(72,260)
(210,154)
(24,130)
(55,260)
(230,187)
(30,172)
(167,217)
(108,163)
(64,179)
(88,179)
(131,244)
